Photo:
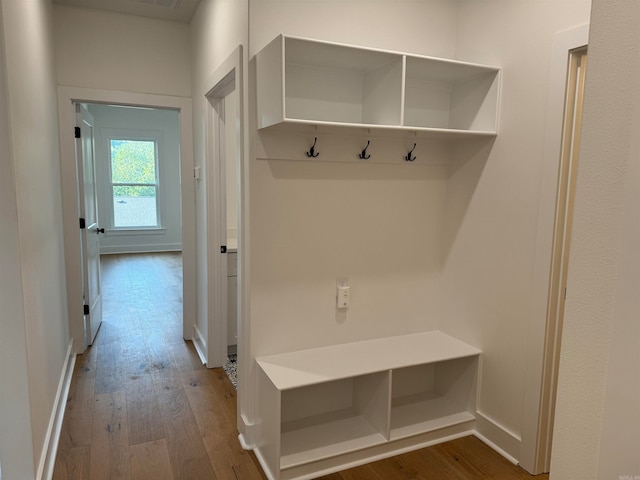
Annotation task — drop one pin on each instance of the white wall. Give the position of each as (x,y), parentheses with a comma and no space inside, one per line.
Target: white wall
(597,414)
(16,446)
(492,202)
(376,224)
(39,306)
(111,120)
(218,27)
(428,247)
(111,51)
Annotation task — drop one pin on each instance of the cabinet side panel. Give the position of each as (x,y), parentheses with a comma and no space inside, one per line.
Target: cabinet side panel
(382,95)
(474,104)
(268,425)
(270,86)
(371,400)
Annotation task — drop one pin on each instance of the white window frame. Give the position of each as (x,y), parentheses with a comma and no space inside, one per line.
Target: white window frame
(144,136)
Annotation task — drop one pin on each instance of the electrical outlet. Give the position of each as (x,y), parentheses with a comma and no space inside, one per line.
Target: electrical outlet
(342,293)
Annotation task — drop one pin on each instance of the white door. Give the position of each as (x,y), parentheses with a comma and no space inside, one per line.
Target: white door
(90,242)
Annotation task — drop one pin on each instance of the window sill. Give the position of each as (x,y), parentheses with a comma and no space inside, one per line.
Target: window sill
(136,231)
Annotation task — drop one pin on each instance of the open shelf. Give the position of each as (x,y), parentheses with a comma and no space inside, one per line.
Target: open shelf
(332,418)
(325,436)
(424,412)
(432,396)
(321,406)
(323,84)
(453,96)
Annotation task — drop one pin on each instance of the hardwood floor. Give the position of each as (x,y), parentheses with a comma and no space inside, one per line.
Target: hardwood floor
(142,406)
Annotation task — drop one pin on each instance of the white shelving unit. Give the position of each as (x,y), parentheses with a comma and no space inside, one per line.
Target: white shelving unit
(327,86)
(325,408)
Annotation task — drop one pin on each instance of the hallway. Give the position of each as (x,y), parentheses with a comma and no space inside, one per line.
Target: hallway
(141,404)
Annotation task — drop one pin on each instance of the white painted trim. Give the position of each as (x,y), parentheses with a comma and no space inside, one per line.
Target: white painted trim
(498,437)
(144,248)
(218,85)
(50,445)
(392,452)
(200,343)
(495,447)
(66,96)
(531,456)
(247,432)
(243,442)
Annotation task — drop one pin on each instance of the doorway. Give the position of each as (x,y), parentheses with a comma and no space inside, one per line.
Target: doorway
(220,215)
(68,97)
(136,173)
(568,169)
(544,332)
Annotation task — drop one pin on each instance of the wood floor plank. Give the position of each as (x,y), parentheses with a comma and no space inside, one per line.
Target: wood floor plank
(110,373)
(218,430)
(143,413)
(150,461)
(78,424)
(110,440)
(188,455)
(72,463)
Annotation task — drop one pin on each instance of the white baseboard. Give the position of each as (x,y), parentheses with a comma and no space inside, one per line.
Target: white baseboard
(200,343)
(50,448)
(148,248)
(498,437)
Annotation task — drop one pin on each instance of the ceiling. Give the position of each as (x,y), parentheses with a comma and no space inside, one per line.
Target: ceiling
(176,10)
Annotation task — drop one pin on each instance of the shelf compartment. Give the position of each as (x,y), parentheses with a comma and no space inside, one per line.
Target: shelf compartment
(450,95)
(335,83)
(330,419)
(434,396)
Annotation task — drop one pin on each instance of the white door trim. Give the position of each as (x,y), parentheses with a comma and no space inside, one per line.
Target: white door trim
(228,77)
(67,96)
(535,447)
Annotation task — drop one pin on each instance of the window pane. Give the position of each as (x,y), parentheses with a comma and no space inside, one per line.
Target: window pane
(133,161)
(134,206)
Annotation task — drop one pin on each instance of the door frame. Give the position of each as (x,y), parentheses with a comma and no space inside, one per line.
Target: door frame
(67,97)
(535,447)
(227,78)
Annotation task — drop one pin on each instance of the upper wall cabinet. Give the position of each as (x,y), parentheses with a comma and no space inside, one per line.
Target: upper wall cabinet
(309,82)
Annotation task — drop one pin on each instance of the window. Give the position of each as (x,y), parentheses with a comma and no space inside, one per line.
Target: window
(134,183)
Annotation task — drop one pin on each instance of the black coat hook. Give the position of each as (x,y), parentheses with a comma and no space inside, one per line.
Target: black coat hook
(312,153)
(363,155)
(408,157)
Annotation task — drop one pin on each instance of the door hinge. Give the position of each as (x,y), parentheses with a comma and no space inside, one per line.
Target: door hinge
(83,224)
(77,132)
(86,309)
(223,249)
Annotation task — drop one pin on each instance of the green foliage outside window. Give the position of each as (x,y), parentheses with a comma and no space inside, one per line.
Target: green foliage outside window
(133,161)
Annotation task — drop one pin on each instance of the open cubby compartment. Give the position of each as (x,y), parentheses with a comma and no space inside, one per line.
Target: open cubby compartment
(433,396)
(332,418)
(451,95)
(309,81)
